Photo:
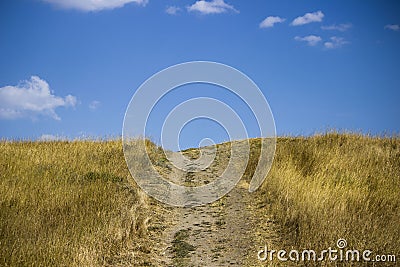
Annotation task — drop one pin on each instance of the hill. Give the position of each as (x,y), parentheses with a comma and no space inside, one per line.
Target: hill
(73,203)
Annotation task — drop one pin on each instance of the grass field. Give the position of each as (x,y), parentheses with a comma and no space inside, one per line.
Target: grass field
(74,204)
(70,204)
(333,186)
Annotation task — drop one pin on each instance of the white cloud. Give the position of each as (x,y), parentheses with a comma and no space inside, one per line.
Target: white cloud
(311,40)
(31,98)
(212,7)
(341,27)
(94,5)
(94,105)
(393,27)
(173,10)
(308,18)
(335,42)
(270,21)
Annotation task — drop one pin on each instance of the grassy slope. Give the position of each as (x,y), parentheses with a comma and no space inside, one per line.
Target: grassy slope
(70,203)
(333,186)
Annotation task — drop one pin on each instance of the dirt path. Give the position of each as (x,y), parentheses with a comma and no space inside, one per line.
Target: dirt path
(222,233)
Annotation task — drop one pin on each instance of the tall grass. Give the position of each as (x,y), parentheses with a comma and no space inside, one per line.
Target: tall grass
(70,204)
(73,203)
(333,186)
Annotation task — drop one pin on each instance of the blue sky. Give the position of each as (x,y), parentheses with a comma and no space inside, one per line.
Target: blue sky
(69,68)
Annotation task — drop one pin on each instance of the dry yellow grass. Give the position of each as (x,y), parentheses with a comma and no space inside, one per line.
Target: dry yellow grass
(332,186)
(73,204)
(70,204)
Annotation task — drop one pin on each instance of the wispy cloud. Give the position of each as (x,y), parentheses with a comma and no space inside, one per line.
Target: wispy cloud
(30,99)
(94,105)
(335,42)
(340,27)
(93,5)
(270,21)
(308,18)
(311,40)
(393,27)
(173,10)
(211,7)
